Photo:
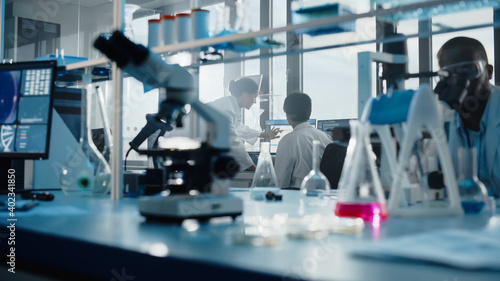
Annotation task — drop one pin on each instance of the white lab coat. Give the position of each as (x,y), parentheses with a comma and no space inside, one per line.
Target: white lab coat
(238,132)
(294,155)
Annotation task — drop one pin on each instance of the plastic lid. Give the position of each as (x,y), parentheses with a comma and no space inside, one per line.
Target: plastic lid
(183,15)
(153,20)
(391,109)
(167,17)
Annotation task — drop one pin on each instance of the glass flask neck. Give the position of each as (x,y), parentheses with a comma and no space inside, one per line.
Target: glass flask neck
(84,117)
(264,147)
(315,151)
(467,162)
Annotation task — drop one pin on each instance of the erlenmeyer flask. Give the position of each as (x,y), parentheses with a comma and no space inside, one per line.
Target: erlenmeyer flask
(473,193)
(315,183)
(85,172)
(360,190)
(264,176)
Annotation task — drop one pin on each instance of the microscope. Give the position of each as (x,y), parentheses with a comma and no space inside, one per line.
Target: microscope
(194,180)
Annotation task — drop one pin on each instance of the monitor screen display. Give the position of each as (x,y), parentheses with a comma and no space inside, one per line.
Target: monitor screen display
(26,95)
(341,127)
(286,128)
(328,125)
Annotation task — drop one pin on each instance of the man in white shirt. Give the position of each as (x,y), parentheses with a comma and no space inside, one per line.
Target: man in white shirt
(294,155)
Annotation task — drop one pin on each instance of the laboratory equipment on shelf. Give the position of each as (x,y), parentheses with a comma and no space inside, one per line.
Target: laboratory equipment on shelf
(86,172)
(473,193)
(264,179)
(307,11)
(360,191)
(195,179)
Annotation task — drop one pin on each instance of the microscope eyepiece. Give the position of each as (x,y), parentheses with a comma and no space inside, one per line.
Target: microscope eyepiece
(113,52)
(138,53)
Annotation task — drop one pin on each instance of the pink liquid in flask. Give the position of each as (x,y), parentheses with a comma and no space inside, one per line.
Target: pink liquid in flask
(368,211)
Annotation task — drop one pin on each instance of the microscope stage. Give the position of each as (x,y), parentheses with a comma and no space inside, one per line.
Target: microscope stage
(180,207)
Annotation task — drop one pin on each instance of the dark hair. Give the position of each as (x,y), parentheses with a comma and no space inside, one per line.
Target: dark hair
(298,106)
(243,85)
(465,44)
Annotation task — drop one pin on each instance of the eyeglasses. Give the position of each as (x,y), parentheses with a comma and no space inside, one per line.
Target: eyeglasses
(469,70)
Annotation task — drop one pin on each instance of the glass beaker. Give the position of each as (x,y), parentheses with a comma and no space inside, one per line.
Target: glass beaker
(264,176)
(360,190)
(85,172)
(315,183)
(473,193)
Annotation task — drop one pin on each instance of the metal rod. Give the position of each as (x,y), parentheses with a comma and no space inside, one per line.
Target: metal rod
(116,154)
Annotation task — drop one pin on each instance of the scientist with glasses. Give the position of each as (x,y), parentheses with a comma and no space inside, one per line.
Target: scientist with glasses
(465,87)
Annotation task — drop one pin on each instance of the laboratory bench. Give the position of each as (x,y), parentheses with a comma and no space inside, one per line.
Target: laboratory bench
(101,239)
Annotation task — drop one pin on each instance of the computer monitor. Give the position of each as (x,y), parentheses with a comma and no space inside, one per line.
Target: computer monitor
(286,128)
(26,100)
(328,126)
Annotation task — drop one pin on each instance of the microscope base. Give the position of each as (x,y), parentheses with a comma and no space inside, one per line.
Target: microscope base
(176,208)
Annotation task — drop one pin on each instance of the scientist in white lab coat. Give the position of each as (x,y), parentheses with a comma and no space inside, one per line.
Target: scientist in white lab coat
(244,92)
(294,155)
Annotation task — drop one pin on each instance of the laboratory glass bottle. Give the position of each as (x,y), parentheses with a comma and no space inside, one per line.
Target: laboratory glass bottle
(85,172)
(473,193)
(360,192)
(315,183)
(265,175)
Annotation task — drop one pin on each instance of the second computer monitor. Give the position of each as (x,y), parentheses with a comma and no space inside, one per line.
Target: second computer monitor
(341,126)
(286,128)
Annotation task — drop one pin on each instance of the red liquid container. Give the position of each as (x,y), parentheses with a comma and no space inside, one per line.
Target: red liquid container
(368,211)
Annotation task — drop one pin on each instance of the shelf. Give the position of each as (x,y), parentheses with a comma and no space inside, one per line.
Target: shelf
(374,41)
(196,44)
(87,63)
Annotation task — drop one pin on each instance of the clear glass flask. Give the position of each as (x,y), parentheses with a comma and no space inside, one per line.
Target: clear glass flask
(85,172)
(473,193)
(360,190)
(264,176)
(315,183)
